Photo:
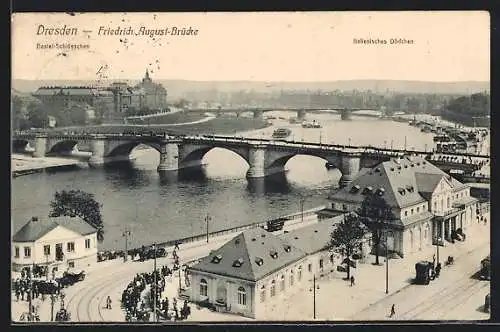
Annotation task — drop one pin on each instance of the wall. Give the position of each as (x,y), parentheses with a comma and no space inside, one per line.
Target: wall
(57,235)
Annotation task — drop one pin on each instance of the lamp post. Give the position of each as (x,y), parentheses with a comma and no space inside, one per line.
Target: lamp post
(438,243)
(207,220)
(126,234)
(314,295)
(155,284)
(52,301)
(387,262)
(302,201)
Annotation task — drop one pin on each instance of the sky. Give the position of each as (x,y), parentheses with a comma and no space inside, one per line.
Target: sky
(286,46)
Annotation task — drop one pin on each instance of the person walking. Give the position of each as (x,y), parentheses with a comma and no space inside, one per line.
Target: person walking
(393,311)
(108,302)
(352,281)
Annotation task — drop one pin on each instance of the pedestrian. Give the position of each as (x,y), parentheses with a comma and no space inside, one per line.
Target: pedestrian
(108,302)
(393,310)
(352,280)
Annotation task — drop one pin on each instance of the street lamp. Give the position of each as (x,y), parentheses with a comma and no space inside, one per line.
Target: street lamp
(387,262)
(314,295)
(126,234)
(438,243)
(155,285)
(302,201)
(53,298)
(207,220)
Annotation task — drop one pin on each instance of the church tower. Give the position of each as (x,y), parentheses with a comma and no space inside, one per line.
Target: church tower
(146,78)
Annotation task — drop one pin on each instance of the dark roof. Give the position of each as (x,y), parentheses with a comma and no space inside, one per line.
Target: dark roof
(250,255)
(34,230)
(404,181)
(314,237)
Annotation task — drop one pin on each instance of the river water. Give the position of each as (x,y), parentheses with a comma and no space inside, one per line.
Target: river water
(156,209)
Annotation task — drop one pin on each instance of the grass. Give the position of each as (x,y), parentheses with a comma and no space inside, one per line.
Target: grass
(178,117)
(221,126)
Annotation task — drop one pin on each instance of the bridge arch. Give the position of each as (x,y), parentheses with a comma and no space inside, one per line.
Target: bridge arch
(192,155)
(19,145)
(123,149)
(61,147)
(278,161)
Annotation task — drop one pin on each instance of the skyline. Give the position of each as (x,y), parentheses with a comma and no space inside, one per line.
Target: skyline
(454,47)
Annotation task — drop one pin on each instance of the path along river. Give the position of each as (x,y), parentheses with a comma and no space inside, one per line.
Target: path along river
(134,196)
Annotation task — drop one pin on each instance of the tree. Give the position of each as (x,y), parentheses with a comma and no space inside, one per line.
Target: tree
(347,236)
(375,213)
(78,203)
(37,115)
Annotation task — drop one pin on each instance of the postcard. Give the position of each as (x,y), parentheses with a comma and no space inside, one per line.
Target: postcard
(250,167)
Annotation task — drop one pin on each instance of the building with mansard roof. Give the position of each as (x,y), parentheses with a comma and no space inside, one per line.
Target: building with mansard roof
(426,203)
(256,269)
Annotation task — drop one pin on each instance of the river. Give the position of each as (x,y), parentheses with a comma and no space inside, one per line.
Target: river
(155,209)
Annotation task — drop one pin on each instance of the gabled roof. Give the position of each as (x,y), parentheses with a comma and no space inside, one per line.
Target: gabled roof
(35,229)
(404,181)
(250,255)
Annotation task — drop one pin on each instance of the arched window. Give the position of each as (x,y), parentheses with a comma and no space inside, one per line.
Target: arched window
(299,274)
(203,287)
(282,286)
(291,278)
(263,293)
(273,288)
(242,296)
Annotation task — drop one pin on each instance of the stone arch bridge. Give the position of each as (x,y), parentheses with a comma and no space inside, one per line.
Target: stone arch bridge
(264,157)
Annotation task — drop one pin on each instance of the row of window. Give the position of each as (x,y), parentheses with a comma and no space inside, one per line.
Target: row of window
(70,247)
(417,209)
(242,298)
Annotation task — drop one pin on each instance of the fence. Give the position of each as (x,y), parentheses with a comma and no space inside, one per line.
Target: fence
(288,219)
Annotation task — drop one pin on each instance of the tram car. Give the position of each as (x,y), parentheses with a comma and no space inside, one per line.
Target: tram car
(423,272)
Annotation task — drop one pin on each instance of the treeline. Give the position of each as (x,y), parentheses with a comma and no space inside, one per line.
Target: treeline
(469,110)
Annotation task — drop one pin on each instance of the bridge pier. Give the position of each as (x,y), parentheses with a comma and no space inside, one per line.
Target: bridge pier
(349,167)
(301,114)
(98,148)
(345,115)
(40,146)
(169,157)
(257,162)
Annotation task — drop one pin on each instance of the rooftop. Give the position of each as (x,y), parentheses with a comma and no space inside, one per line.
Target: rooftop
(402,182)
(250,255)
(37,228)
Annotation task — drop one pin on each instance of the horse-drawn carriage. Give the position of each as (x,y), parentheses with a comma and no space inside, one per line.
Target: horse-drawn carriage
(424,272)
(46,287)
(71,277)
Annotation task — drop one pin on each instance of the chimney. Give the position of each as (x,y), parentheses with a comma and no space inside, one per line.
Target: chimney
(34,219)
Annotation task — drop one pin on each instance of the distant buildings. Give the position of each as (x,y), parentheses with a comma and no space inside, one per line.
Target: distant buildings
(426,203)
(116,98)
(255,270)
(59,243)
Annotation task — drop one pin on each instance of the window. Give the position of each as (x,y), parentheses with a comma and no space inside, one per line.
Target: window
(203,287)
(27,252)
(273,288)
(321,263)
(16,252)
(309,267)
(87,243)
(299,274)
(71,246)
(282,284)
(263,294)
(448,203)
(406,213)
(46,250)
(418,209)
(344,207)
(435,205)
(242,296)
(71,264)
(411,211)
